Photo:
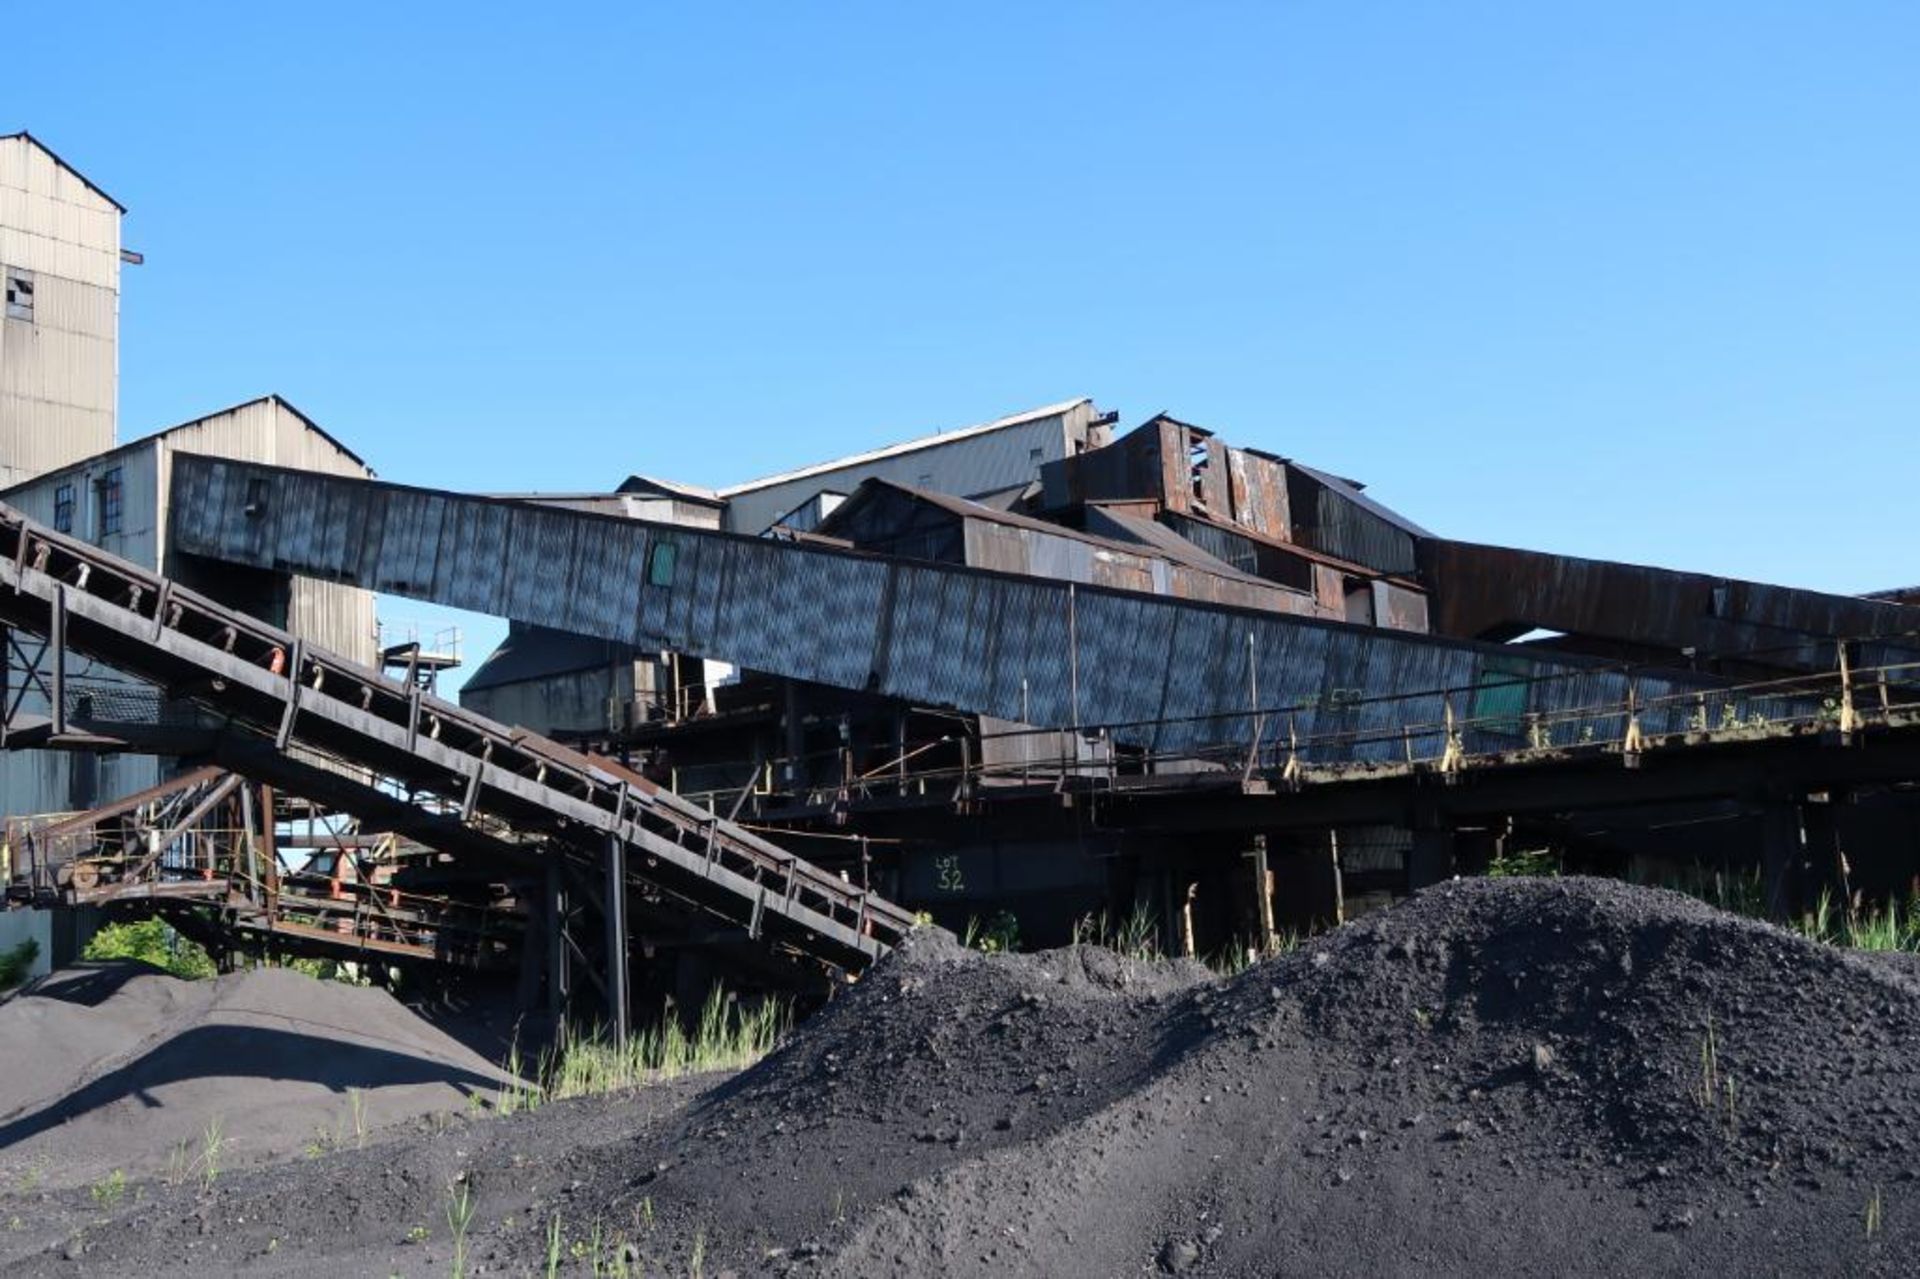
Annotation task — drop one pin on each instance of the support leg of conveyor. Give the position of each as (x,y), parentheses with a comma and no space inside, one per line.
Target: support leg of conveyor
(618,1011)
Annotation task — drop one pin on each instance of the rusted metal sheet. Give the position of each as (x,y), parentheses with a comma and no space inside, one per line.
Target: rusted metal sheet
(1259,493)
(1329,588)
(1049,653)
(1210,478)
(1497,592)
(1399,607)
(1170,443)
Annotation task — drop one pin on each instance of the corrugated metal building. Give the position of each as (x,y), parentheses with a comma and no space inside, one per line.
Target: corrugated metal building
(119,501)
(977,459)
(555,682)
(552,682)
(893,519)
(59,360)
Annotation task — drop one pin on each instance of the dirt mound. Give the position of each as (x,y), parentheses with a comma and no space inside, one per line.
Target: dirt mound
(120,1066)
(1499,1077)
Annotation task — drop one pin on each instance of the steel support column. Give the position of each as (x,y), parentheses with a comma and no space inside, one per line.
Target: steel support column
(618,1011)
(1310,890)
(1782,854)
(57,655)
(559,971)
(1826,855)
(1430,859)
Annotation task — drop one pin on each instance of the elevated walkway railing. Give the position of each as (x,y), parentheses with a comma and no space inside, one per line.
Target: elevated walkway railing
(272,684)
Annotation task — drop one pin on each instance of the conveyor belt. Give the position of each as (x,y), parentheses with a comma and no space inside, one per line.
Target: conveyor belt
(1182,674)
(264,680)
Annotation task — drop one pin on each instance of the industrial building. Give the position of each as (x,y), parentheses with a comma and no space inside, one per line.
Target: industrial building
(59,464)
(59,356)
(1049,670)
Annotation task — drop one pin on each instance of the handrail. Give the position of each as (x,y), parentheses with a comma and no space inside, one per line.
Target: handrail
(261,675)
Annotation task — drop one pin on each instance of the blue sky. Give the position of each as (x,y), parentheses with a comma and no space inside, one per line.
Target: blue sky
(1639,281)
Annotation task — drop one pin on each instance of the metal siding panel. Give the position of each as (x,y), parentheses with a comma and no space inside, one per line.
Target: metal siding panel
(969,465)
(945,636)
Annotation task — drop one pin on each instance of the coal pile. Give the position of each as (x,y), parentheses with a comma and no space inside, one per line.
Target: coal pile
(1505,1075)
(1495,1077)
(118,1067)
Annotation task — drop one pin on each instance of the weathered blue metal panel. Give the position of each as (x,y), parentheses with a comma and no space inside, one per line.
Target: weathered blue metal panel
(1018,647)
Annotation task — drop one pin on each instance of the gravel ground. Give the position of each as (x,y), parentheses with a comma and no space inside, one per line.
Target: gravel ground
(1496,1077)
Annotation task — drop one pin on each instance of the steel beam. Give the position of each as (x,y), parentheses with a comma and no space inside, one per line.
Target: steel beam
(619,1008)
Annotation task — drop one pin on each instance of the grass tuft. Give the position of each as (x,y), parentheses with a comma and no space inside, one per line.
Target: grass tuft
(728,1035)
(108,1191)
(1136,937)
(459,1217)
(213,1142)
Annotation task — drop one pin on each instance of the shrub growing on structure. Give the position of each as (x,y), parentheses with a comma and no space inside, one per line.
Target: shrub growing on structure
(16,962)
(151,941)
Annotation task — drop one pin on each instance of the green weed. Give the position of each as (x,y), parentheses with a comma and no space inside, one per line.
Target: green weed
(1707,1090)
(518,1095)
(1524,863)
(1136,937)
(727,1036)
(459,1216)
(213,1143)
(108,1191)
(998,936)
(16,962)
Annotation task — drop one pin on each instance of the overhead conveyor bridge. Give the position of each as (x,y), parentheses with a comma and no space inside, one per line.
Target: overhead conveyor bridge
(1180,674)
(456,772)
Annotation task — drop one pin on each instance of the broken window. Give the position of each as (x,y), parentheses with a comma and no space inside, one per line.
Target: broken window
(1036,456)
(19,294)
(111,496)
(660,562)
(63,509)
(1198,455)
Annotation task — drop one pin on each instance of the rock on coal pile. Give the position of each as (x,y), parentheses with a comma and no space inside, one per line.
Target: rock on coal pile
(1498,1076)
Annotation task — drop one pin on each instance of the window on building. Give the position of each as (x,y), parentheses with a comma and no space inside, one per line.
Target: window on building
(1036,456)
(112,514)
(19,294)
(63,509)
(660,563)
